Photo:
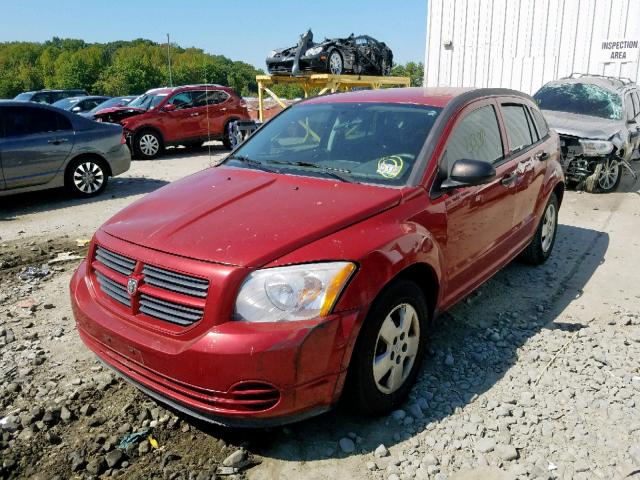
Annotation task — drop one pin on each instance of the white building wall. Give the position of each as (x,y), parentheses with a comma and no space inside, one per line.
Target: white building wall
(522,44)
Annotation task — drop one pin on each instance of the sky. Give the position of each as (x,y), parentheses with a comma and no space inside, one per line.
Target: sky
(244,30)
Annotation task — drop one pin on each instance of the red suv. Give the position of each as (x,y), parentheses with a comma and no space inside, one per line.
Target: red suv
(312,262)
(188,115)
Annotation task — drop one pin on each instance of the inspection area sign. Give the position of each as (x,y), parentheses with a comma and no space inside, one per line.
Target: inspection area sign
(619,51)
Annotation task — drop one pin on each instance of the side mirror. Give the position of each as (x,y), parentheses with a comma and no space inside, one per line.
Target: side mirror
(169,107)
(76,109)
(467,173)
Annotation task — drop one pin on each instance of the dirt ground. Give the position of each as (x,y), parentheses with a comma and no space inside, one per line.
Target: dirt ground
(535,375)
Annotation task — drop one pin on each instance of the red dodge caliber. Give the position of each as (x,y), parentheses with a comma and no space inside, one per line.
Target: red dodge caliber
(311,263)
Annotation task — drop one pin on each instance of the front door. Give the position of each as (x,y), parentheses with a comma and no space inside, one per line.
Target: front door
(185,122)
(480,218)
(35,145)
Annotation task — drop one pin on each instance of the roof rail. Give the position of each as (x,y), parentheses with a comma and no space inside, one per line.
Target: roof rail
(622,80)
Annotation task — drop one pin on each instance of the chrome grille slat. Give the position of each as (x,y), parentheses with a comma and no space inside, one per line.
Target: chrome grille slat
(169,311)
(115,261)
(176,282)
(113,289)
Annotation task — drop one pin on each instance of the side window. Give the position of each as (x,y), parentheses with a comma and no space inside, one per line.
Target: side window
(181,100)
(42,98)
(636,103)
(476,137)
(518,128)
(217,96)
(540,122)
(628,106)
(28,121)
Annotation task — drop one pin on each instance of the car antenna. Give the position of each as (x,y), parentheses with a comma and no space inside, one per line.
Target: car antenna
(206,99)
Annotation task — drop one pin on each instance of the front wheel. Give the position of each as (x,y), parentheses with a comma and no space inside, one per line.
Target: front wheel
(335,63)
(545,237)
(86,177)
(147,144)
(389,350)
(610,176)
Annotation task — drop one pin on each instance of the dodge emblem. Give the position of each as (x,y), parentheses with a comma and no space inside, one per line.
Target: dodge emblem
(132,286)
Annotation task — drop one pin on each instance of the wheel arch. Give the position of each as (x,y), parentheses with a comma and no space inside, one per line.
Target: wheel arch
(423,275)
(559,191)
(142,128)
(88,155)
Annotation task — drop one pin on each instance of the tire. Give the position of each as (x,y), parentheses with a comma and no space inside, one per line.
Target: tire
(610,176)
(147,144)
(373,391)
(543,240)
(232,137)
(86,177)
(335,65)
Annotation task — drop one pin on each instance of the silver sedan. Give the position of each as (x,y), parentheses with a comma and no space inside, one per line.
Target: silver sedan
(44,147)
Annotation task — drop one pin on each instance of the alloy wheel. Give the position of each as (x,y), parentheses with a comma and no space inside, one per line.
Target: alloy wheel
(335,63)
(548,227)
(88,177)
(609,174)
(396,348)
(149,144)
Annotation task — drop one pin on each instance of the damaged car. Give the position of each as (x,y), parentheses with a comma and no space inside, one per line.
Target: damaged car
(360,54)
(596,118)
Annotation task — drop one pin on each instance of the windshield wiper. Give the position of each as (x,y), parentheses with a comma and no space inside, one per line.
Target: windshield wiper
(252,162)
(340,174)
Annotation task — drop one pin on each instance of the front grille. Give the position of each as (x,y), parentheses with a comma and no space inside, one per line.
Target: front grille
(169,311)
(176,282)
(113,289)
(115,261)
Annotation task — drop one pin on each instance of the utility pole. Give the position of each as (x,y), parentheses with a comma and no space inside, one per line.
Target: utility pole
(169,60)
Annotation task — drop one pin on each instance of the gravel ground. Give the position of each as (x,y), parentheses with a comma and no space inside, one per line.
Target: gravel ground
(535,375)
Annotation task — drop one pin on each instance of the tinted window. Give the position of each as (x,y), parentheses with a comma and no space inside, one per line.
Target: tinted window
(43,98)
(214,96)
(26,121)
(371,142)
(476,137)
(580,98)
(636,103)
(181,100)
(541,124)
(518,129)
(628,106)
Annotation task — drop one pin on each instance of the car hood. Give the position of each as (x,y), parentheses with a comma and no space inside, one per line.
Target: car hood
(583,126)
(245,217)
(121,111)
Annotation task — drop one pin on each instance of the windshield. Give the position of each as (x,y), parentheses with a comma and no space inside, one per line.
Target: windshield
(147,101)
(112,102)
(371,142)
(580,98)
(66,103)
(24,97)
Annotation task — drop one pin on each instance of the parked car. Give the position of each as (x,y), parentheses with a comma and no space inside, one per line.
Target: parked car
(80,104)
(48,96)
(188,115)
(596,118)
(111,102)
(360,54)
(44,147)
(314,259)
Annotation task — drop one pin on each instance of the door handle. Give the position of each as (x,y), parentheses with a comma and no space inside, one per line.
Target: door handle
(542,156)
(223,109)
(509,179)
(194,114)
(58,141)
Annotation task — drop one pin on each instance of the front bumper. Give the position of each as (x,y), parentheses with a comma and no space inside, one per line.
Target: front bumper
(315,63)
(235,373)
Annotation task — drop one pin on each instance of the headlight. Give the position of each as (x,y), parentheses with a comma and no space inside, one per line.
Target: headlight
(296,292)
(313,51)
(596,148)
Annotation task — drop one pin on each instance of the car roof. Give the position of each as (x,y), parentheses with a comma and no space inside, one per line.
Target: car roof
(186,87)
(432,96)
(608,83)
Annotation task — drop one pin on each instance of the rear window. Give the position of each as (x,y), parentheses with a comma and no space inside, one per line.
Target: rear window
(541,124)
(580,98)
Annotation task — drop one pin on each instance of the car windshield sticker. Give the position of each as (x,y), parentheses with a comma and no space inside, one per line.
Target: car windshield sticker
(390,167)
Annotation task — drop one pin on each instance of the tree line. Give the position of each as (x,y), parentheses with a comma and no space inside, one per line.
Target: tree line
(129,68)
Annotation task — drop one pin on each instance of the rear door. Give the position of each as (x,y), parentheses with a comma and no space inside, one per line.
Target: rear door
(529,151)
(35,145)
(480,218)
(218,111)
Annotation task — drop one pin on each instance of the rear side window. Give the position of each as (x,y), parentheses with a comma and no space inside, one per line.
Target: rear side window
(476,137)
(628,106)
(636,103)
(20,121)
(540,122)
(518,127)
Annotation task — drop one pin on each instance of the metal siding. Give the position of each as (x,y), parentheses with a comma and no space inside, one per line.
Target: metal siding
(523,44)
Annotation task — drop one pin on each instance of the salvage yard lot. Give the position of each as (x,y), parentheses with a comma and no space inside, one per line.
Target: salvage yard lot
(535,375)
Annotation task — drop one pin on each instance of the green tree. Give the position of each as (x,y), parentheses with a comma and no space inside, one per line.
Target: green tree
(413,70)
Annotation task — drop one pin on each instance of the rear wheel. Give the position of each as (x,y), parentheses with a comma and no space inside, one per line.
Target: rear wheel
(545,237)
(232,136)
(86,177)
(389,350)
(147,144)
